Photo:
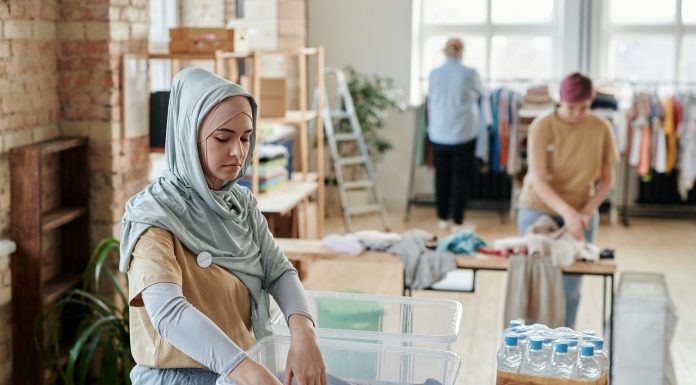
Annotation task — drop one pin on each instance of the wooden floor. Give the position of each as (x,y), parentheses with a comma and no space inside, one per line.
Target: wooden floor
(653,245)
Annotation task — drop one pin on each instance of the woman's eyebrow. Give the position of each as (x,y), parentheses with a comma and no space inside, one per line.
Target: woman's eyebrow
(247,131)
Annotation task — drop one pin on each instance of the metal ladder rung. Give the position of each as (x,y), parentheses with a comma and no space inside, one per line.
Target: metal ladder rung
(337,114)
(364,209)
(353,160)
(358,184)
(345,137)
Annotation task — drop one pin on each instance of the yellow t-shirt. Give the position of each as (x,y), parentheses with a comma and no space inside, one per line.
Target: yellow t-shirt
(571,155)
(159,257)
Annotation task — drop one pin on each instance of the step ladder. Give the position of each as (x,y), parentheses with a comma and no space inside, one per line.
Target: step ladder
(345,109)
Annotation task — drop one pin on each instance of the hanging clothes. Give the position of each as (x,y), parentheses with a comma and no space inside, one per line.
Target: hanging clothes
(687,146)
(514,163)
(644,162)
(504,134)
(482,151)
(670,133)
(495,142)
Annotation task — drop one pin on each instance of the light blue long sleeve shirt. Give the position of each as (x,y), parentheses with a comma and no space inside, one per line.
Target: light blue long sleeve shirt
(453,110)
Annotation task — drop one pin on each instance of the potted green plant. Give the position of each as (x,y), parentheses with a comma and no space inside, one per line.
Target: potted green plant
(374,98)
(102,341)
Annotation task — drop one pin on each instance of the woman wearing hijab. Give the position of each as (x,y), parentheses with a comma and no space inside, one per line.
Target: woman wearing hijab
(200,259)
(571,155)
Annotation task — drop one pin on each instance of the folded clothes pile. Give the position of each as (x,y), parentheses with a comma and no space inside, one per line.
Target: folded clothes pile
(272,170)
(537,97)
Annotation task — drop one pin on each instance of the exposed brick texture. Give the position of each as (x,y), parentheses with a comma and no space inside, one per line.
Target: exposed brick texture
(59,75)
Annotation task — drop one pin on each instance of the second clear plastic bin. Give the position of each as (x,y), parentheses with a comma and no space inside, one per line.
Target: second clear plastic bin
(419,322)
(359,363)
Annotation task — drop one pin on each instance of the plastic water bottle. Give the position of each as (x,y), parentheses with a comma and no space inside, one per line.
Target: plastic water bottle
(560,364)
(589,335)
(515,323)
(548,346)
(587,367)
(600,355)
(535,360)
(522,339)
(573,348)
(510,357)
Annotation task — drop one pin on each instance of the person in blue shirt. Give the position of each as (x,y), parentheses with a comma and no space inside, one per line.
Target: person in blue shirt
(453,120)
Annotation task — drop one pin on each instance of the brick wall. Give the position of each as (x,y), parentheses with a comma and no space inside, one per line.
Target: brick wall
(93,37)
(29,113)
(59,74)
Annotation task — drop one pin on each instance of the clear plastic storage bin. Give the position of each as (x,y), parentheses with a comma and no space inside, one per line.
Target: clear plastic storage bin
(421,322)
(359,363)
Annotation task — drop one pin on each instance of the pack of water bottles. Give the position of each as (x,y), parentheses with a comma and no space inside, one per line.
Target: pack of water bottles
(538,355)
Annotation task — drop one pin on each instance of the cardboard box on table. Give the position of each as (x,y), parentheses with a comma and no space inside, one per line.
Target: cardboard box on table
(503,378)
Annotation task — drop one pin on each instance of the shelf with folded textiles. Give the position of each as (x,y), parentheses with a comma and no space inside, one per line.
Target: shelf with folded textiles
(277,192)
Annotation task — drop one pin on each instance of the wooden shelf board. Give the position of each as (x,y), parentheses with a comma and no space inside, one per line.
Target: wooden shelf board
(285,197)
(291,117)
(300,177)
(55,145)
(54,219)
(55,287)
(182,56)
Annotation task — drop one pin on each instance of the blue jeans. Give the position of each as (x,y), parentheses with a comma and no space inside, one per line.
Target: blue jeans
(141,375)
(571,283)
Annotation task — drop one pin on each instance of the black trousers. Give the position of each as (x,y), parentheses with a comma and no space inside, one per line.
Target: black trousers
(454,168)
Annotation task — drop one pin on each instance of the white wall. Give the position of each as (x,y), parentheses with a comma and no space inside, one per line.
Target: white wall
(373,37)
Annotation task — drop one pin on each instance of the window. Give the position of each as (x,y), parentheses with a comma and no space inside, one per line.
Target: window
(503,39)
(648,41)
(163,15)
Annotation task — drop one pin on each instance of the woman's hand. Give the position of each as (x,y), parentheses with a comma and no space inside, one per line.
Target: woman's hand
(250,372)
(587,215)
(575,223)
(304,363)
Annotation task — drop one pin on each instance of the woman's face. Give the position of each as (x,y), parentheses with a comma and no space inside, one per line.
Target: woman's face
(573,113)
(224,139)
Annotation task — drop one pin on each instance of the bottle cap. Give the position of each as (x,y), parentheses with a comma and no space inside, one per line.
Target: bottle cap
(561,347)
(510,340)
(587,350)
(598,343)
(535,343)
(515,323)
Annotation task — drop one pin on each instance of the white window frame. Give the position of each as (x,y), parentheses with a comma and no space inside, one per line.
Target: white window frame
(605,31)
(160,70)
(487,30)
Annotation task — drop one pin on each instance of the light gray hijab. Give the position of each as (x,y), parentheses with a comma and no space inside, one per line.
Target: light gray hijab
(226,223)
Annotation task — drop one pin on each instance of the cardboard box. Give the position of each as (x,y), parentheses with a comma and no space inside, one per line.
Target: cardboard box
(272,88)
(272,107)
(191,33)
(207,40)
(503,378)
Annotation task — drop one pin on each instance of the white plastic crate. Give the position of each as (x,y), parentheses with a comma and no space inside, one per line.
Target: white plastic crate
(366,363)
(421,322)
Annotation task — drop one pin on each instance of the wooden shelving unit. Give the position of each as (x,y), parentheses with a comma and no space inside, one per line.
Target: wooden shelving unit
(32,292)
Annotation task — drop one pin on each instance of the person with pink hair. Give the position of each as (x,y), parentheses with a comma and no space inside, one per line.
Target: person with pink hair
(572,156)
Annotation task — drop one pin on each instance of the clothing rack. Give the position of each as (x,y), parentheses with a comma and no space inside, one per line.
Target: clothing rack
(489,190)
(658,197)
